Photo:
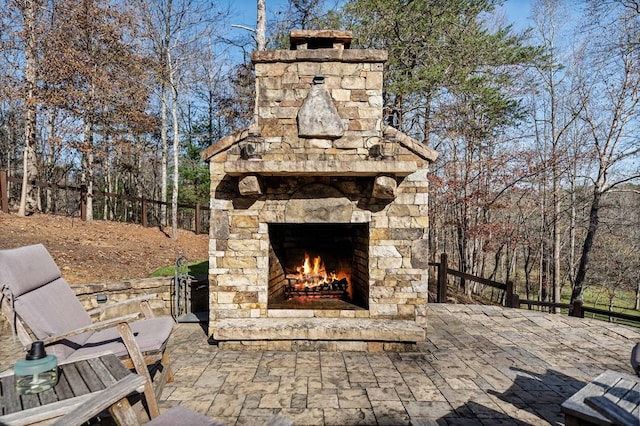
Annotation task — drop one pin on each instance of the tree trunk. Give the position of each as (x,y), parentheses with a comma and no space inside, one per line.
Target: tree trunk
(176,169)
(166,75)
(261,26)
(176,147)
(115,205)
(594,220)
(433,233)
(87,168)
(556,235)
(106,208)
(165,155)
(51,131)
(555,189)
(527,271)
(29,170)
(572,226)
(427,120)
(462,257)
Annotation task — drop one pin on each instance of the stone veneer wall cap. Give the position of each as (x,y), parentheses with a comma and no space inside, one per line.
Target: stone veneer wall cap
(340,35)
(411,144)
(224,144)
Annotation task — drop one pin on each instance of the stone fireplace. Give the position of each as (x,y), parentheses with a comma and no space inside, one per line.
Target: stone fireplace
(319,210)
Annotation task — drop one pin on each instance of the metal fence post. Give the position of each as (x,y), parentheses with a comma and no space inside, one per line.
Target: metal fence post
(143,212)
(576,309)
(83,202)
(198,218)
(509,295)
(442,279)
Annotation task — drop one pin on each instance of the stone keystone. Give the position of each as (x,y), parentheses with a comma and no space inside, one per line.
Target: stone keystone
(318,117)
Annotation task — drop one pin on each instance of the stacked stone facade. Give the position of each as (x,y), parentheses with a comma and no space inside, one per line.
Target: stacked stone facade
(353,182)
(355,87)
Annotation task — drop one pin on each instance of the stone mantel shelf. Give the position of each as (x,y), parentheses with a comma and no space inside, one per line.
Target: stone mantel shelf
(320,168)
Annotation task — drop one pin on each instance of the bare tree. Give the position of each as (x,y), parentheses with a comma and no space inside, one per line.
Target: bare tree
(91,71)
(555,114)
(29,10)
(611,83)
(176,30)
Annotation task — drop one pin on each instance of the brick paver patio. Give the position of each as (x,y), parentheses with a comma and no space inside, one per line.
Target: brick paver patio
(481,365)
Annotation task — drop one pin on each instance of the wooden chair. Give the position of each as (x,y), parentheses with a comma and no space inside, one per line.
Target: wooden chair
(114,399)
(40,305)
(610,399)
(79,383)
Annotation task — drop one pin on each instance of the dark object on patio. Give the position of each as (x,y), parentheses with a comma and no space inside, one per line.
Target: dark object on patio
(40,305)
(79,382)
(635,359)
(183,292)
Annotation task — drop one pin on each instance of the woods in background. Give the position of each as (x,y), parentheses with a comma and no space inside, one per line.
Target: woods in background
(537,129)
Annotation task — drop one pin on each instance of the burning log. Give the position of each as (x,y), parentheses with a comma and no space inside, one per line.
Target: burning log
(341,284)
(311,279)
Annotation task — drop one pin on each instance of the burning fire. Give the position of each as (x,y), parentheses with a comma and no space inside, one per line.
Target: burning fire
(312,274)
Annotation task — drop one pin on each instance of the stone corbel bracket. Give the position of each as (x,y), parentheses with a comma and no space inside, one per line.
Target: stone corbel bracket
(384,187)
(250,185)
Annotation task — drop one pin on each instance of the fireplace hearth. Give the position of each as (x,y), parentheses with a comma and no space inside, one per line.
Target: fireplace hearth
(318,209)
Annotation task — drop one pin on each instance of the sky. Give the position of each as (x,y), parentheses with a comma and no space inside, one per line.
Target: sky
(516,11)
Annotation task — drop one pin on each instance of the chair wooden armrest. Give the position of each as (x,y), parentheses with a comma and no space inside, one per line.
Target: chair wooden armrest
(136,359)
(93,327)
(113,398)
(143,300)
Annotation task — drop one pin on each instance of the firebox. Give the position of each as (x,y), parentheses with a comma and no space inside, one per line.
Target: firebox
(318,266)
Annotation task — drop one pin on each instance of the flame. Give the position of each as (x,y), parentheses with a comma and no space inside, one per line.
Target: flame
(312,273)
(318,265)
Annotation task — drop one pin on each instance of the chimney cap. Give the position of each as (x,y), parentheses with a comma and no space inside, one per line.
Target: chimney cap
(320,39)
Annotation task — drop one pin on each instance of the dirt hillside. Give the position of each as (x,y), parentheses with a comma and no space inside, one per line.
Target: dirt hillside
(101,251)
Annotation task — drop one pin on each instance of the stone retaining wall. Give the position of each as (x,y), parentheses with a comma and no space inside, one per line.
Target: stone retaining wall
(122,290)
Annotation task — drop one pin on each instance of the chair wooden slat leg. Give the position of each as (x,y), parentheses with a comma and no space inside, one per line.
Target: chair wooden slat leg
(140,367)
(165,377)
(123,413)
(166,362)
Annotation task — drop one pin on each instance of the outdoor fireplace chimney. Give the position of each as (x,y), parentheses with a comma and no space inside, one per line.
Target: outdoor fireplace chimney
(317,120)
